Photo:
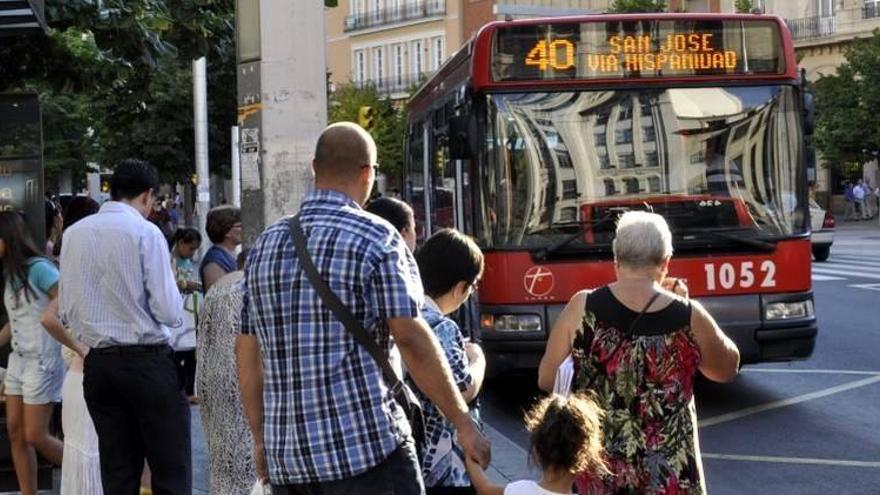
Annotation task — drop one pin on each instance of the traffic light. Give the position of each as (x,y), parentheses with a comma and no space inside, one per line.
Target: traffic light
(367,117)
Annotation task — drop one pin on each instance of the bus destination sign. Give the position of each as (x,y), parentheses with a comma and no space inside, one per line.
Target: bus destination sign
(561,51)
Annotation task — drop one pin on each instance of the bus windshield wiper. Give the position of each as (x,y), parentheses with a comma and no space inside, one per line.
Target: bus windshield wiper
(736,236)
(543,253)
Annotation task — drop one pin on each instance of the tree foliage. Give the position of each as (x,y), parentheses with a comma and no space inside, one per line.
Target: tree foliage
(390,122)
(635,6)
(743,6)
(847,105)
(116,81)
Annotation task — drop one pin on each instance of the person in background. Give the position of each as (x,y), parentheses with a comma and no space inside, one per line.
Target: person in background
(230,443)
(850,212)
(565,434)
(119,296)
(450,265)
(78,208)
(160,217)
(399,214)
(54,225)
(223,226)
(859,195)
(81,469)
(185,244)
(630,339)
(35,372)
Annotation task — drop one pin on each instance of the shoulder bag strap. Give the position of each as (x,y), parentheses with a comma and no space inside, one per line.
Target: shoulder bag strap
(632,325)
(342,313)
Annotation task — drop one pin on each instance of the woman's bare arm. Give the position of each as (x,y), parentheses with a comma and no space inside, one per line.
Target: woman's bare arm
(559,342)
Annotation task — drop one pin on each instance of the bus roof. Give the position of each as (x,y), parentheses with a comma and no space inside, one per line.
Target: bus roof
(471,63)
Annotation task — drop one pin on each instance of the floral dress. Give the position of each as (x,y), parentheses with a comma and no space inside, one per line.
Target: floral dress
(645,383)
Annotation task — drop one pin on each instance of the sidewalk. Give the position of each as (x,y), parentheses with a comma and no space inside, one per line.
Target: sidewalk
(509,460)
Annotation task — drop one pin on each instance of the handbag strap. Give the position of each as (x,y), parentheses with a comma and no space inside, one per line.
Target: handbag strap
(632,325)
(342,313)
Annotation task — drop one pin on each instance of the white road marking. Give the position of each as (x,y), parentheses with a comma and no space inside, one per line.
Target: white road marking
(866,286)
(828,271)
(825,278)
(810,371)
(749,411)
(792,460)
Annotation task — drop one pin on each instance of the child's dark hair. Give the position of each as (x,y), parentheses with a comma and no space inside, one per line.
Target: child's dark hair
(447,258)
(566,434)
(188,235)
(398,213)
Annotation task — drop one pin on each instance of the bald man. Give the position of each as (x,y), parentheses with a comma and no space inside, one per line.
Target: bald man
(322,417)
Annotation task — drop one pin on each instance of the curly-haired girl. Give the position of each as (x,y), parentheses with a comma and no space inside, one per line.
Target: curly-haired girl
(566,440)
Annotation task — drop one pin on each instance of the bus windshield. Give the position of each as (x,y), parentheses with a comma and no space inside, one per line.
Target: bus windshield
(561,166)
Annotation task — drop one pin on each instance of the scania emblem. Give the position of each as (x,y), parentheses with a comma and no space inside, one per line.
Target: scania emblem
(538,281)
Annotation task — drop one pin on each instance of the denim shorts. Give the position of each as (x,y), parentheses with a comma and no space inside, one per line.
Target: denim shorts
(38,380)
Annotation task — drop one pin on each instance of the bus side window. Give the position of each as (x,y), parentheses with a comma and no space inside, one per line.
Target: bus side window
(415,179)
(443,174)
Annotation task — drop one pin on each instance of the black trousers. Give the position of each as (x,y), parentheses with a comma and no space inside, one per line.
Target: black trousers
(186,368)
(136,400)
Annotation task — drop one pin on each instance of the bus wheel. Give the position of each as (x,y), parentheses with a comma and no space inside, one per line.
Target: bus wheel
(821,253)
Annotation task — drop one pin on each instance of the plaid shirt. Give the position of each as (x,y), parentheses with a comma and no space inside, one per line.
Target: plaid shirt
(328,413)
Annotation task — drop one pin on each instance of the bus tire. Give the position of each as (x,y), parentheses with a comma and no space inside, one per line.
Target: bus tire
(821,253)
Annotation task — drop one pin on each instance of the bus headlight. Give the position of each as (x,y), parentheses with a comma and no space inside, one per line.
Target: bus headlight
(510,323)
(788,310)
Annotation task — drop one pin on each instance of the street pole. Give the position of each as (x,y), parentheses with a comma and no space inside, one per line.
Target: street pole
(236,168)
(200,119)
(282,105)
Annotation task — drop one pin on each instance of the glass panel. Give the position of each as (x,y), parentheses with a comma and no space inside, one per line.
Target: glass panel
(700,172)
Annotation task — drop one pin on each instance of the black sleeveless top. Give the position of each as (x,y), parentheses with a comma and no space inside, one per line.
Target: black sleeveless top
(609,310)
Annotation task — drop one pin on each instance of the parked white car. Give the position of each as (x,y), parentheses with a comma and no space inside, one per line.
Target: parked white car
(822,224)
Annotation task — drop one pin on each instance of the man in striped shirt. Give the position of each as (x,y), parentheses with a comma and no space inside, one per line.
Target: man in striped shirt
(119,296)
(316,401)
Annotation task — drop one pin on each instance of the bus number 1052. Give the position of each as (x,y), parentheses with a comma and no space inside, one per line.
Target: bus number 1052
(744,276)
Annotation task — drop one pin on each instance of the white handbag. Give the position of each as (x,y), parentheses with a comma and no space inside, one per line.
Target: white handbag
(564,376)
(261,489)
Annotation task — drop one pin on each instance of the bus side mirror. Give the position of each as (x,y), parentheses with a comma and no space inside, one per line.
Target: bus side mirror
(462,137)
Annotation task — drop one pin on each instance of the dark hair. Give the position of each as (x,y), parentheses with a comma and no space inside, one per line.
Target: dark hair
(220,221)
(132,178)
(397,212)
(241,258)
(566,434)
(186,234)
(20,247)
(77,208)
(53,211)
(447,258)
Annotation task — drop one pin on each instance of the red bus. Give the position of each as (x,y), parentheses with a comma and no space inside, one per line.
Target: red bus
(538,133)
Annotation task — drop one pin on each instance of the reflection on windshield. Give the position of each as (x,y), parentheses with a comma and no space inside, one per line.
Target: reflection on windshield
(703,157)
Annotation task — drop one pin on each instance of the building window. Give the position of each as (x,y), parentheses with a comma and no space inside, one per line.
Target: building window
(644,106)
(610,190)
(698,157)
(631,185)
(569,189)
(626,110)
(653,184)
(604,162)
(649,135)
(360,67)
(417,55)
(564,159)
(378,65)
(398,65)
(651,159)
(872,9)
(436,52)
(627,160)
(623,136)
(602,118)
(825,8)
(568,214)
(601,138)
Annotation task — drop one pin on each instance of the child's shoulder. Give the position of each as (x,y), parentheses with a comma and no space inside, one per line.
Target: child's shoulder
(526,487)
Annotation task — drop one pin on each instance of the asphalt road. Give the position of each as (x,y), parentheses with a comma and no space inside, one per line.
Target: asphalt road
(810,427)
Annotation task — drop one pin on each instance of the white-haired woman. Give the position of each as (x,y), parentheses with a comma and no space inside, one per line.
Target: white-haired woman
(637,345)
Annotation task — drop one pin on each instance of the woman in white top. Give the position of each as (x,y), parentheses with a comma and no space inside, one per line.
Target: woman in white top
(566,440)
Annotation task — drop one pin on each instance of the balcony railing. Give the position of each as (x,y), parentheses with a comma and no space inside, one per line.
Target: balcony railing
(394,84)
(812,27)
(404,12)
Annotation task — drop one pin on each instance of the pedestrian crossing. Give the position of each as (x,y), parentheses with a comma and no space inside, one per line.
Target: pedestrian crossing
(847,267)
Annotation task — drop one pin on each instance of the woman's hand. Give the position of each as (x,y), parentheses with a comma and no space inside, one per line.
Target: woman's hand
(677,286)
